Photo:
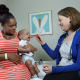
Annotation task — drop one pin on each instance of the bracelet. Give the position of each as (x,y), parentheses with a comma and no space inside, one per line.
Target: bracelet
(6,57)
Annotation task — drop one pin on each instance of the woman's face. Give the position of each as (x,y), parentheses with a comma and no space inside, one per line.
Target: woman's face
(64,22)
(10,27)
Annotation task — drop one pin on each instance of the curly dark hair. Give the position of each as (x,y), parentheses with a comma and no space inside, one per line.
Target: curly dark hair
(5,15)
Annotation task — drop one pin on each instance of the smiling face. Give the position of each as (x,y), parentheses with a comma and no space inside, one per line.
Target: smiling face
(10,27)
(64,22)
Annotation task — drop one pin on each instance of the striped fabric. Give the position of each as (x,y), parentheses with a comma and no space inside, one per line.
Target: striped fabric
(9,70)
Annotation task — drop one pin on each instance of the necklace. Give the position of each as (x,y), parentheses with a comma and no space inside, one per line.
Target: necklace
(8,36)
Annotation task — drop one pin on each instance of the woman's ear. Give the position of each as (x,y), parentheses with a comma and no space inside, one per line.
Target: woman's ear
(70,19)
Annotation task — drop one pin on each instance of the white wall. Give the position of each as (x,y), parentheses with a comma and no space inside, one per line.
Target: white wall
(22,8)
(3,1)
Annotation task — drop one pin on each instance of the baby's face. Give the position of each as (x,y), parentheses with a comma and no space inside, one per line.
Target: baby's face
(27,36)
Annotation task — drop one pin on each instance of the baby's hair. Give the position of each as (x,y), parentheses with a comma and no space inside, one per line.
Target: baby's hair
(22,31)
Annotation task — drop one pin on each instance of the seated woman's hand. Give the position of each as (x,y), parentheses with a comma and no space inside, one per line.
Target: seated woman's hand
(15,58)
(32,48)
(27,48)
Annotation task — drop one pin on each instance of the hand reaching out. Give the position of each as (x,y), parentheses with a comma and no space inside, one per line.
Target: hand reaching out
(38,37)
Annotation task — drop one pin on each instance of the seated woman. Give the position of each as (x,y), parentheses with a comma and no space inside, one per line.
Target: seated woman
(11,66)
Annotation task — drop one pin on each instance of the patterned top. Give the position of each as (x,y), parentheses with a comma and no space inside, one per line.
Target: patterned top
(9,70)
(65,54)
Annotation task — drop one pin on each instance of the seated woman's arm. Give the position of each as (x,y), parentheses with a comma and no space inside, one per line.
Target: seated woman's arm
(15,58)
(27,48)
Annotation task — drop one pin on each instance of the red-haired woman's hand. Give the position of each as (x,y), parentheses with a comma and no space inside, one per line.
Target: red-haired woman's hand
(47,68)
(38,37)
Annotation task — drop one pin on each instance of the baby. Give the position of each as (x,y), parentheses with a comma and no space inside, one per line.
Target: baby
(25,46)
